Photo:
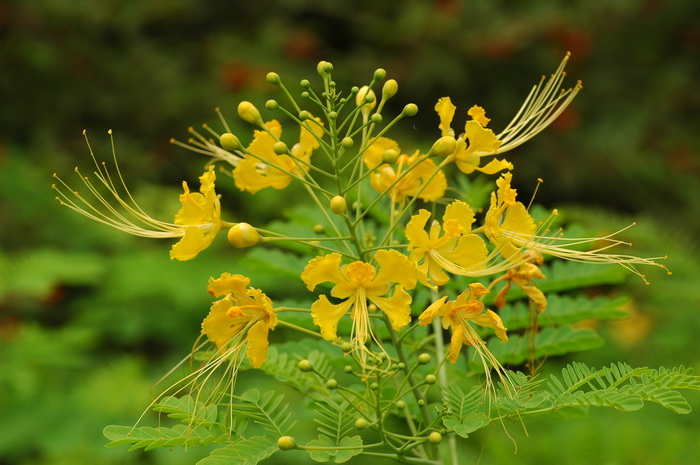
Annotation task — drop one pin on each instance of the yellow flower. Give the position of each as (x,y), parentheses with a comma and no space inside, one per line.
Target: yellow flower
(482,142)
(196,224)
(355,284)
(456,250)
(546,101)
(243,312)
(423,180)
(509,226)
(199,217)
(523,276)
(457,315)
(262,167)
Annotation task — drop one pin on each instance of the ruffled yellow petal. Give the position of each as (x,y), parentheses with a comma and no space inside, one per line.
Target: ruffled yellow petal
(193,242)
(228,284)
(395,267)
(373,154)
(492,320)
(435,309)
(517,220)
(326,316)
(247,177)
(481,140)
(469,254)
(446,112)
(478,114)
(397,307)
(461,212)
(322,269)
(415,230)
(418,177)
(308,141)
(505,194)
(459,336)
(218,326)
(258,343)
(262,140)
(494,166)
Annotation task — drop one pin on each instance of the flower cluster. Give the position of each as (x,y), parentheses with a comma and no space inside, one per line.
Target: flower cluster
(431,241)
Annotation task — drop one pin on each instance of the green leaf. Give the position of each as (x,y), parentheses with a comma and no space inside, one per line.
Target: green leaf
(187,410)
(265,409)
(335,418)
(243,452)
(147,438)
(337,455)
(464,410)
(549,341)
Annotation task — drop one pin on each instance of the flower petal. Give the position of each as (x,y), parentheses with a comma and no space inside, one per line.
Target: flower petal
(373,154)
(326,316)
(460,211)
(322,269)
(228,284)
(218,326)
(193,242)
(395,267)
(492,320)
(446,112)
(435,309)
(258,343)
(397,307)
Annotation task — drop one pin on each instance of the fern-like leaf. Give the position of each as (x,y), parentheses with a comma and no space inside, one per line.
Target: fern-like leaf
(464,411)
(243,452)
(148,438)
(265,409)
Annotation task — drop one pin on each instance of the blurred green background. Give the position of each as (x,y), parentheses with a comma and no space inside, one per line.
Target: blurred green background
(90,318)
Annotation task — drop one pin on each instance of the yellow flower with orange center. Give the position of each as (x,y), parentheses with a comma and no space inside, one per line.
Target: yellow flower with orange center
(458,316)
(243,315)
(356,284)
(455,250)
(262,167)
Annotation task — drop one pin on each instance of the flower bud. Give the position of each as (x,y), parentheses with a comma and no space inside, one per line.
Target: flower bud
(319,229)
(410,110)
(366,96)
(347,142)
(305,84)
(390,88)
(346,347)
(444,146)
(249,113)
(304,115)
(390,156)
(243,235)
(430,379)
(331,384)
(361,423)
(230,142)
(400,405)
(376,118)
(379,74)
(271,105)
(338,205)
(435,437)
(273,78)
(286,443)
(324,68)
(424,358)
(305,366)
(279,147)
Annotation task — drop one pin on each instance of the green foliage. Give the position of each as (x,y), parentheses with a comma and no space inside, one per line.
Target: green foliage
(243,452)
(465,410)
(265,409)
(327,448)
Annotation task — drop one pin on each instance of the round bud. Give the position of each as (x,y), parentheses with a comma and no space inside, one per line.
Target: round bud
(435,437)
(430,379)
(286,443)
(230,142)
(443,431)
(243,235)
(410,110)
(271,105)
(354,90)
(273,78)
(423,358)
(389,89)
(328,67)
(305,95)
(304,83)
(400,405)
(319,229)
(347,369)
(338,205)
(379,74)
(402,366)
(332,115)
(304,115)
(374,386)
(279,147)
(444,146)
(305,366)
(390,156)
(346,347)
(361,423)
(347,142)
(331,384)
(249,113)
(376,118)
(366,96)
(421,402)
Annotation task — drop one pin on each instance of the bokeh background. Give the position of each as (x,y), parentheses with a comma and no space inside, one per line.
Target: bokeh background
(90,318)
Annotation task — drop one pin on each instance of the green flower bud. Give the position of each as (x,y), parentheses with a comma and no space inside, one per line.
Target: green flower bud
(374,386)
(243,235)
(361,423)
(331,384)
(421,402)
(230,142)
(273,78)
(389,89)
(410,110)
(390,156)
(401,405)
(424,358)
(430,379)
(347,142)
(305,84)
(402,366)
(346,347)
(379,74)
(305,366)
(305,95)
(347,369)
(319,229)
(376,118)
(333,115)
(366,96)
(304,115)
(444,146)
(435,437)
(280,148)
(286,443)
(271,105)
(249,113)
(338,205)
